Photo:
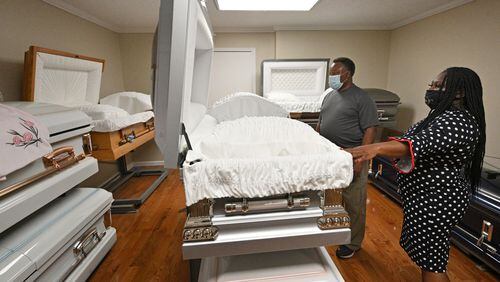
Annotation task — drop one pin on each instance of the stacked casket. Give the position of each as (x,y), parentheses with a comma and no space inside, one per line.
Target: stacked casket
(387,106)
(48,229)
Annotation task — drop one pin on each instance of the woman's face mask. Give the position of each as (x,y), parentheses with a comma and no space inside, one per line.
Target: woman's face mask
(435,94)
(433,98)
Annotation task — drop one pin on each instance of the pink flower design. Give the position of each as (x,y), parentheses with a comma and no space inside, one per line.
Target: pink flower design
(16,140)
(28,123)
(27,137)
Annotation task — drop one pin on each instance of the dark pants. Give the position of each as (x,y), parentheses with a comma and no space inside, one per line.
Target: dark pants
(355,204)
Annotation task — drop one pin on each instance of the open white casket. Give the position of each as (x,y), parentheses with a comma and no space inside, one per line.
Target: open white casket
(297,85)
(28,189)
(63,241)
(73,80)
(252,181)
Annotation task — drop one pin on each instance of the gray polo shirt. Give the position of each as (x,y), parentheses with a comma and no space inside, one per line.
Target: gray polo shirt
(346,115)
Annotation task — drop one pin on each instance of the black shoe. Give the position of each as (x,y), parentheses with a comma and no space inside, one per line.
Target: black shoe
(344,252)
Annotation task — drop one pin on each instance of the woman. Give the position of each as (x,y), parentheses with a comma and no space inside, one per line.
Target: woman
(439,161)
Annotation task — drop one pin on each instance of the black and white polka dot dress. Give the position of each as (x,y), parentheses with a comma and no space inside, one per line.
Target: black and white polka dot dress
(434,191)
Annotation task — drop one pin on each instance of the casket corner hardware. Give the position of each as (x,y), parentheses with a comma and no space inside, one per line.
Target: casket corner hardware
(87,144)
(334,215)
(199,225)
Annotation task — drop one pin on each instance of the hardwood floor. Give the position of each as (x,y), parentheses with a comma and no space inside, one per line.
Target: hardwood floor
(149,243)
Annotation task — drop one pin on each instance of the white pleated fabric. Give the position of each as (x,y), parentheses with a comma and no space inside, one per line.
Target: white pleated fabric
(244,158)
(106,118)
(113,124)
(132,102)
(298,104)
(243,104)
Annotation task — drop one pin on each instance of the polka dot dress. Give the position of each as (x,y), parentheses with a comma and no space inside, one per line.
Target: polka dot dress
(435,193)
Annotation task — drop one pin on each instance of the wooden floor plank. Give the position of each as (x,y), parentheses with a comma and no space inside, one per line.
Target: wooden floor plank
(149,243)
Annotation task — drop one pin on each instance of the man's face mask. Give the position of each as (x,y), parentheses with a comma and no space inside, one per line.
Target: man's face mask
(433,98)
(334,82)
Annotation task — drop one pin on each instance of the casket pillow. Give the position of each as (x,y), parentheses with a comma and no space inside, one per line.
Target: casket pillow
(103,112)
(244,104)
(132,102)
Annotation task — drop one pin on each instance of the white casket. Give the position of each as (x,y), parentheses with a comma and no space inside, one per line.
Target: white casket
(64,240)
(33,186)
(254,180)
(73,80)
(297,85)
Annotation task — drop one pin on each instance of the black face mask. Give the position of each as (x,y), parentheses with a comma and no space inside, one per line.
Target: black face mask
(433,98)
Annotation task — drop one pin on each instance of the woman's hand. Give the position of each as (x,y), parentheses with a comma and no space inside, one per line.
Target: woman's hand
(390,149)
(363,153)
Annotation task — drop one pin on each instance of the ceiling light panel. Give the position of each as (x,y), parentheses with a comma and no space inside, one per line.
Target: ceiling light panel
(265,5)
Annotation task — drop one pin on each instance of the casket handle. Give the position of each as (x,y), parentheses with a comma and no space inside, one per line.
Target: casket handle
(92,236)
(53,163)
(53,158)
(81,250)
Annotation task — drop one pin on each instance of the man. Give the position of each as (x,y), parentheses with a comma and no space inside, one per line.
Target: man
(348,118)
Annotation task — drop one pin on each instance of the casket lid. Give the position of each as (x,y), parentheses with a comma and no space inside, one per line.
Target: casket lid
(58,119)
(301,77)
(382,96)
(182,58)
(61,78)
(15,265)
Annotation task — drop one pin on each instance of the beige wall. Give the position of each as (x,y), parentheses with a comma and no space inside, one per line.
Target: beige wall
(368,49)
(33,22)
(465,36)
(136,61)
(263,42)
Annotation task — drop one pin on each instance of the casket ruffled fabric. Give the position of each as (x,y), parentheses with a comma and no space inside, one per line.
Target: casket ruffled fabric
(263,156)
(298,104)
(107,118)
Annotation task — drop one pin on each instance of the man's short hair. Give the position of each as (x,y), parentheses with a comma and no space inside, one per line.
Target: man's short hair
(347,63)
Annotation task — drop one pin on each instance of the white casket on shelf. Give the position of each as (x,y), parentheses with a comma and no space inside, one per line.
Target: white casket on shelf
(28,189)
(64,240)
(73,80)
(297,85)
(255,181)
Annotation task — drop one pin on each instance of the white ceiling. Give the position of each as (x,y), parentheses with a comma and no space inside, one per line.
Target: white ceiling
(130,16)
